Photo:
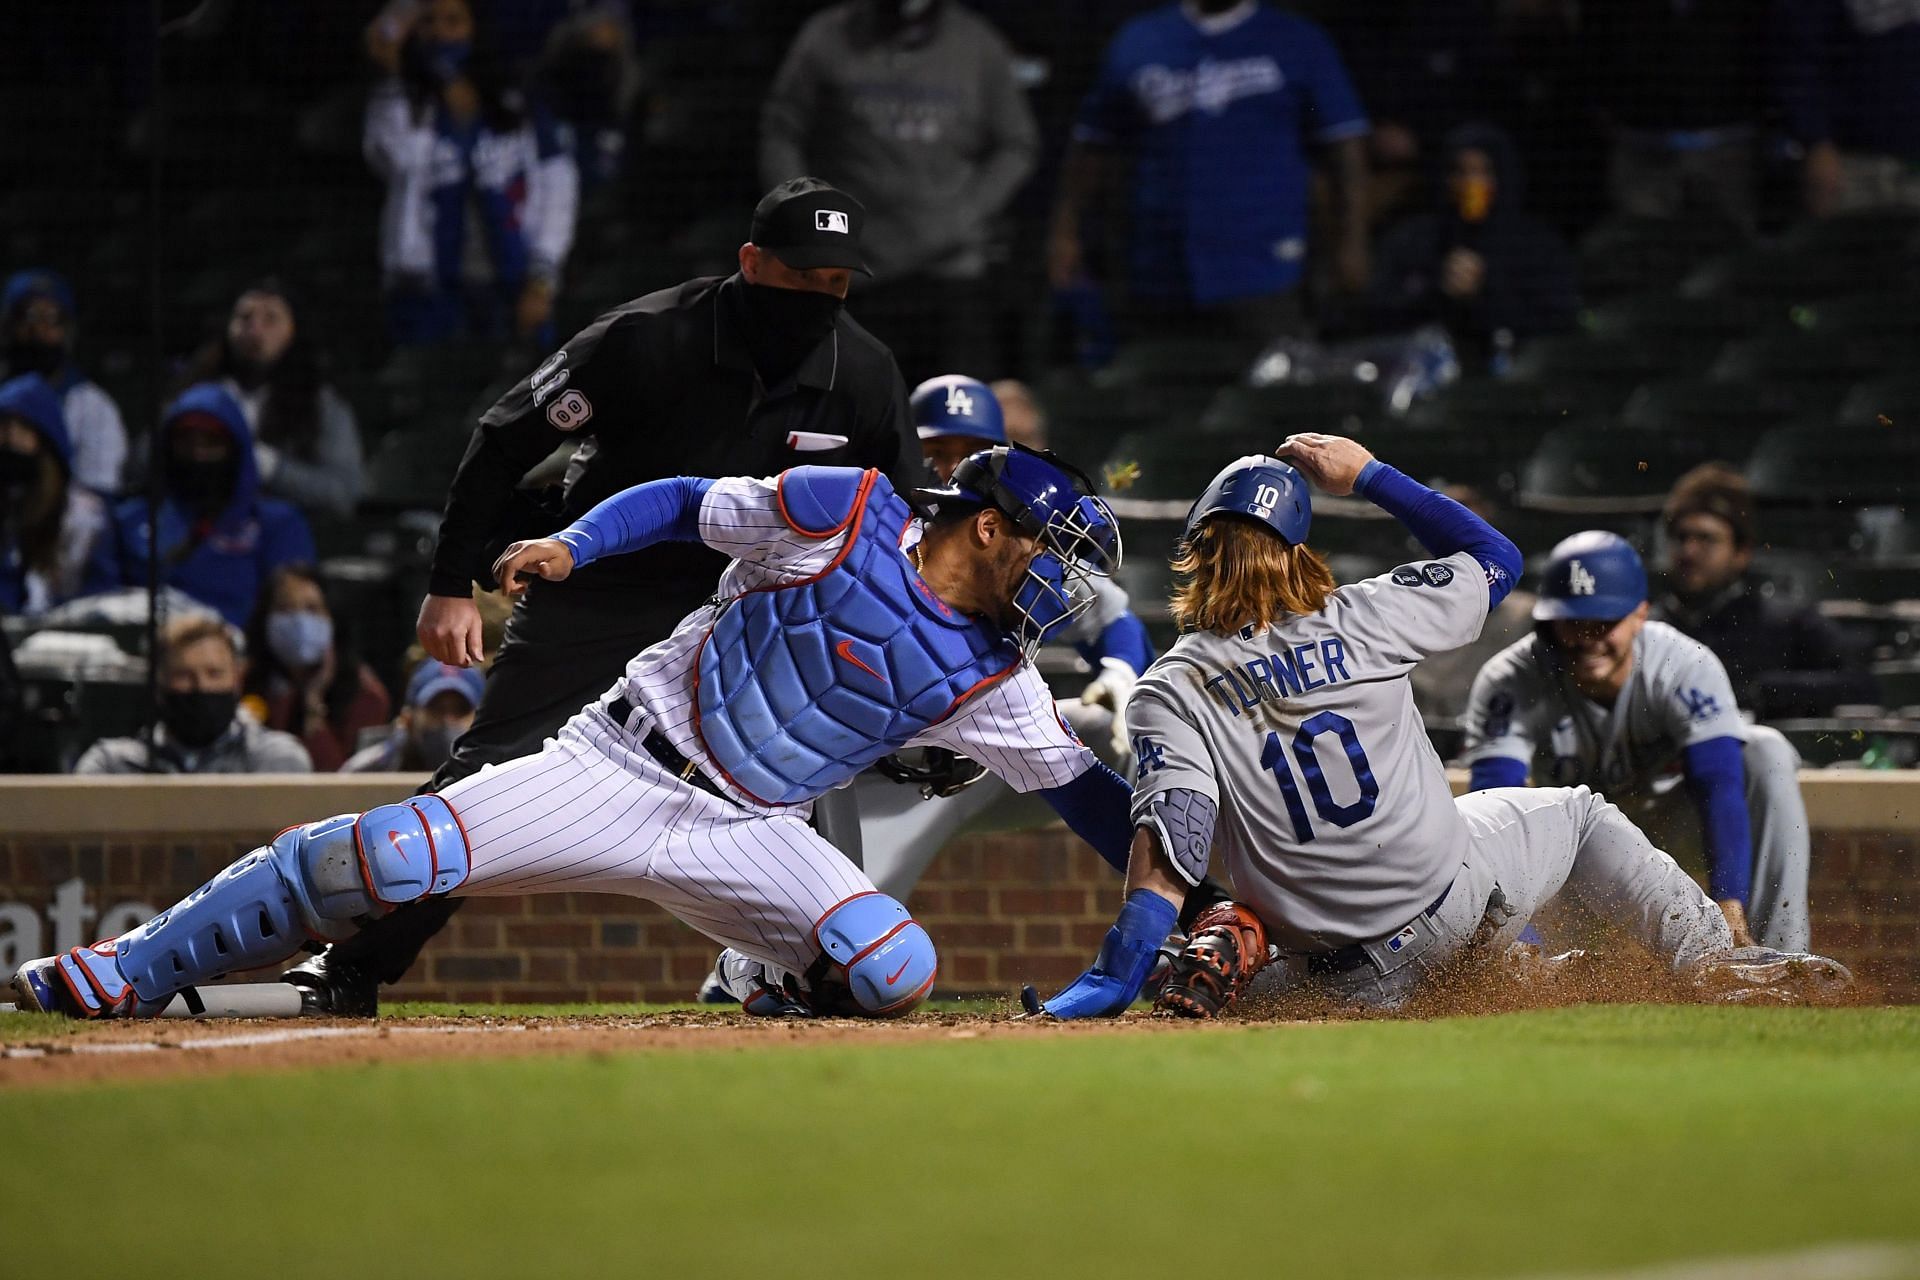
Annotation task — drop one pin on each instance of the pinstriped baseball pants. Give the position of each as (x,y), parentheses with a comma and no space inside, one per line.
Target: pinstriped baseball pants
(594,813)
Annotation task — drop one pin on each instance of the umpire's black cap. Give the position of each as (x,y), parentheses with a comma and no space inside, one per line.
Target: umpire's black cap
(808,223)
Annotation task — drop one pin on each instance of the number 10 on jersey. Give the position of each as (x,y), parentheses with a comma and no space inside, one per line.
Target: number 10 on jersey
(1273,757)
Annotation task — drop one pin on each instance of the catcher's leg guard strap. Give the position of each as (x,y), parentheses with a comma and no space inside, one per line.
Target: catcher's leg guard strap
(315,880)
(887,957)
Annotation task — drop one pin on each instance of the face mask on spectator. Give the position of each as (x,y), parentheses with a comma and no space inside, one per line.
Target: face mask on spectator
(18,471)
(786,324)
(27,356)
(299,640)
(445,59)
(202,484)
(434,742)
(197,718)
(1473,197)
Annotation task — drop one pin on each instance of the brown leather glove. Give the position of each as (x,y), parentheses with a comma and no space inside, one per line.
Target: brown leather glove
(1225,948)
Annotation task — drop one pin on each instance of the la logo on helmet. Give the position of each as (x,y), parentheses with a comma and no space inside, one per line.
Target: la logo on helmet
(959,402)
(1579,581)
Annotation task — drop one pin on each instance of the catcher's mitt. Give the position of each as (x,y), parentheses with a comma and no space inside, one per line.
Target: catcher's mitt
(1227,946)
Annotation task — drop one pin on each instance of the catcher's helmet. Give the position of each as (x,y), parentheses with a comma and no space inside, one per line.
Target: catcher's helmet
(1594,575)
(1258,488)
(1052,502)
(955,405)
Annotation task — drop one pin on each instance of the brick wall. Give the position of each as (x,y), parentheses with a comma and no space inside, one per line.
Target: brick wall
(1003,909)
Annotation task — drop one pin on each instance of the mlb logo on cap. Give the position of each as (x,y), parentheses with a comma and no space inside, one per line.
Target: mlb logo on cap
(807,223)
(830,220)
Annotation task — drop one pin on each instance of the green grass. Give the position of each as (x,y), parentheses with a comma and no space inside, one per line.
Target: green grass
(1555,1141)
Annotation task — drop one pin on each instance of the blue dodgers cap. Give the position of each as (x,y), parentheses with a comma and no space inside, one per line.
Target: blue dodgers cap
(1594,576)
(956,405)
(1258,488)
(431,679)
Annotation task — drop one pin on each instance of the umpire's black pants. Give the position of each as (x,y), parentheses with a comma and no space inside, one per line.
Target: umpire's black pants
(563,649)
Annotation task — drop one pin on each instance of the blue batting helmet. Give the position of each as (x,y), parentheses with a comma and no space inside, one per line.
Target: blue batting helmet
(955,405)
(1594,575)
(1051,501)
(1262,489)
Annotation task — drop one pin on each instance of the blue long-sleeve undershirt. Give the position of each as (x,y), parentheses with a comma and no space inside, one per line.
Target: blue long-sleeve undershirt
(1442,525)
(657,511)
(1717,777)
(1097,807)
(1500,771)
(1124,638)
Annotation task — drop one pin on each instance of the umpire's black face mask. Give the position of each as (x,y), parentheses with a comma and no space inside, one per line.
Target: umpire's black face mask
(783,325)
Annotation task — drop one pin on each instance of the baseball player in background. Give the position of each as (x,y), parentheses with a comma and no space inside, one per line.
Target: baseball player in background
(1635,709)
(1279,734)
(903,827)
(846,627)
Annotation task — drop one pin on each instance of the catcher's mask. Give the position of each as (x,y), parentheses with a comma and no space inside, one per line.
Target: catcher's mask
(1051,501)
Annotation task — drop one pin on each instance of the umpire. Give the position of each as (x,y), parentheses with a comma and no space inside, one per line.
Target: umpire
(743,375)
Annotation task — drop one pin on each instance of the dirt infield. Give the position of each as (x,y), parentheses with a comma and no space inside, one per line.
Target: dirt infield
(169,1049)
(71,1055)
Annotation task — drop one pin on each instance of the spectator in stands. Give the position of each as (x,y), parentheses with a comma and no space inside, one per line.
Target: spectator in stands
(482,191)
(1782,661)
(38,308)
(201,729)
(303,676)
(590,75)
(1851,99)
(219,539)
(911,105)
(1021,413)
(48,524)
(1217,101)
(306,441)
(440,702)
(1679,85)
(1479,264)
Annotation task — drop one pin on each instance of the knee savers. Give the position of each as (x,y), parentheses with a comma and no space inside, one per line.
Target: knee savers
(316,880)
(886,957)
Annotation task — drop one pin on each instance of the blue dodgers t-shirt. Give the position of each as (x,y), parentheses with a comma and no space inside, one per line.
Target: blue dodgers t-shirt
(1218,114)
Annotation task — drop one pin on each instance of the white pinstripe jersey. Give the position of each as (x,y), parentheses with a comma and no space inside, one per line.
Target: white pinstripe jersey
(1012,729)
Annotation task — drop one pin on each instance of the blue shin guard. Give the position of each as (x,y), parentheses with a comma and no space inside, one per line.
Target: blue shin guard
(887,959)
(319,880)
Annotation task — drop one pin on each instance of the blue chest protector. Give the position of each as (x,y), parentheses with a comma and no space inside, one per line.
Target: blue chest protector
(801,687)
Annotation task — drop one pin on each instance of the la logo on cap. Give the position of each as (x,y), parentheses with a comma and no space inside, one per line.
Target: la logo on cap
(830,220)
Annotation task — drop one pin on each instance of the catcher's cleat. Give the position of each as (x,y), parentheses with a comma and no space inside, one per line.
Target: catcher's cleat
(331,985)
(1227,947)
(1761,975)
(37,989)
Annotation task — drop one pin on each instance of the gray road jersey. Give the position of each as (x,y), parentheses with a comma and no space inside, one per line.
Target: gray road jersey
(1336,823)
(1524,708)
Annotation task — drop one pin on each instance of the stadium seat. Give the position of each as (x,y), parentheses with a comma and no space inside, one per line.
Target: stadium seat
(1819,464)
(1498,405)
(1647,255)
(1603,370)
(1822,367)
(1342,408)
(1725,418)
(1784,276)
(1188,362)
(1877,581)
(1578,470)
(1873,317)
(1895,397)
(1899,682)
(1698,323)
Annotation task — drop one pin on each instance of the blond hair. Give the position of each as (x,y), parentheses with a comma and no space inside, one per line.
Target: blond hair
(1235,573)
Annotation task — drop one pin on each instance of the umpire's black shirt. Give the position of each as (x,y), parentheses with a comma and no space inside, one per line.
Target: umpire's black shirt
(663,386)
